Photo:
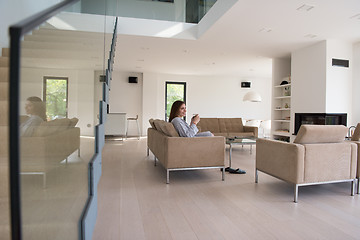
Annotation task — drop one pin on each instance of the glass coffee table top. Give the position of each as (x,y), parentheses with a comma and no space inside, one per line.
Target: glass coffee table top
(241,141)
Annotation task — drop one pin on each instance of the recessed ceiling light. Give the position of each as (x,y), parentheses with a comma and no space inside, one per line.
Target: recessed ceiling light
(265,30)
(305,8)
(310,36)
(357,16)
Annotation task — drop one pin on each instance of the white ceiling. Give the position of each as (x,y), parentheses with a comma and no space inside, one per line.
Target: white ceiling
(243,41)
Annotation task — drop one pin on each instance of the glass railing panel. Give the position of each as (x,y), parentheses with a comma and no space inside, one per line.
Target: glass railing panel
(59,109)
(190,11)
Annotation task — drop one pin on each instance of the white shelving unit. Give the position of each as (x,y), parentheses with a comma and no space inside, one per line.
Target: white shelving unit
(281,111)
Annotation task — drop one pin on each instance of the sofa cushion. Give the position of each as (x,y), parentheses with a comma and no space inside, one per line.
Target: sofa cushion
(23,118)
(231,125)
(157,123)
(209,124)
(321,134)
(51,127)
(169,129)
(73,122)
(166,128)
(151,121)
(356,135)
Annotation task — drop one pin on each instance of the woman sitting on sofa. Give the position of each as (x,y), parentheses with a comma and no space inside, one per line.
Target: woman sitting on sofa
(178,111)
(36,110)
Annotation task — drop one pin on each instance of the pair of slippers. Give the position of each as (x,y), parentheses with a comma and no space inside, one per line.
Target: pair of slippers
(236,171)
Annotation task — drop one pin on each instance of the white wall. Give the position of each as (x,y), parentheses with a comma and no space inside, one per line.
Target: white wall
(308,79)
(80,93)
(356,85)
(125,97)
(338,79)
(12,11)
(209,96)
(319,87)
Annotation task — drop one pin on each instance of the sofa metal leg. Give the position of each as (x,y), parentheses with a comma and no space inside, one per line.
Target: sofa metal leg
(154,161)
(44,180)
(78,152)
(353,186)
(296,192)
(147,152)
(138,127)
(358,186)
(223,174)
(256,175)
(167,176)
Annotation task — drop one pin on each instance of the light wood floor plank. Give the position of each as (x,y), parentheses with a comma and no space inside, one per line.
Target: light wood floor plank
(135,203)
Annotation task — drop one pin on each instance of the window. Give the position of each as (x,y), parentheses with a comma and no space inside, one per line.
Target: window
(173,91)
(56,97)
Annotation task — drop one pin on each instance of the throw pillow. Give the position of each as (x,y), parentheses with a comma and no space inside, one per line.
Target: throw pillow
(169,129)
(356,135)
(157,123)
(151,121)
(73,122)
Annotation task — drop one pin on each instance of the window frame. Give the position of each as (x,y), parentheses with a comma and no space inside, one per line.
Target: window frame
(178,83)
(45,78)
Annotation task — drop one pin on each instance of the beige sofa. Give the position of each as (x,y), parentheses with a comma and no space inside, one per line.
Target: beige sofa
(181,153)
(227,127)
(318,155)
(51,143)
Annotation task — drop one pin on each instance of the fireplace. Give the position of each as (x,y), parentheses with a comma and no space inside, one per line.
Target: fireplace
(319,119)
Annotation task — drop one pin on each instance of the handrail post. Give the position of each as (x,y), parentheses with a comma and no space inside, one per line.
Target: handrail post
(14,148)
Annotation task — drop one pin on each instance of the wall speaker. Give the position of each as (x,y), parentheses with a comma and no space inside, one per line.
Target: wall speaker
(102,78)
(133,79)
(245,84)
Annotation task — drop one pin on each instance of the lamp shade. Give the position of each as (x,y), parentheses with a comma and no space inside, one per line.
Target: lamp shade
(252,97)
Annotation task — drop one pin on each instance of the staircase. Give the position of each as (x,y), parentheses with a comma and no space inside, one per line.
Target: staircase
(46,49)
(4,162)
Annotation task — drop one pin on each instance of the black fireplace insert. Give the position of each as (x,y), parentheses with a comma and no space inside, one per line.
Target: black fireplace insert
(319,119)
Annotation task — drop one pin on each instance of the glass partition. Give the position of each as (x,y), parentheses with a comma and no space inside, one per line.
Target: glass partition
(59,94)
(190,11)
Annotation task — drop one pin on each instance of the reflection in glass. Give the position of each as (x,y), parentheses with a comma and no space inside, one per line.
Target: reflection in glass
(56,95)
(58,105)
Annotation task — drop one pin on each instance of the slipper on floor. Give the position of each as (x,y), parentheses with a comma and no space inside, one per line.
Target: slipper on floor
(226,169)
(237,171)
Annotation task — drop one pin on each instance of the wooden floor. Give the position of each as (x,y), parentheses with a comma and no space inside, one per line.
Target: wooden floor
(134,202)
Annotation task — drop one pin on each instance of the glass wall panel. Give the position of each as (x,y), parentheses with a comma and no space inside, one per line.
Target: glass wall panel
(190,11)
(59,107)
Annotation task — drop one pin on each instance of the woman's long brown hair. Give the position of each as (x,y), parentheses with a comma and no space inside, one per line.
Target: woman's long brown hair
(175,109)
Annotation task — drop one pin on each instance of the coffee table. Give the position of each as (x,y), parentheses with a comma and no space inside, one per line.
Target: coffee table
(239,141)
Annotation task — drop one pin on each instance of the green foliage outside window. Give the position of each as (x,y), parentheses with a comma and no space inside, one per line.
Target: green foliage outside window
(174,92)
(56,98)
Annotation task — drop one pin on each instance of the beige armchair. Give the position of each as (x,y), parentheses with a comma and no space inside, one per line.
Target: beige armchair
(318,155)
